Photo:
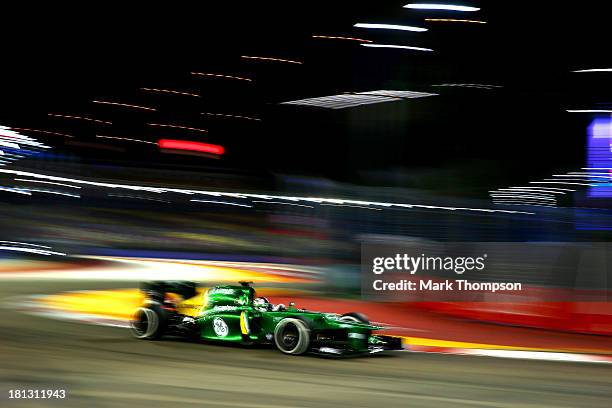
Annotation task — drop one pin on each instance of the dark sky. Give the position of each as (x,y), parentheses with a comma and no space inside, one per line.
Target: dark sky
(59,58)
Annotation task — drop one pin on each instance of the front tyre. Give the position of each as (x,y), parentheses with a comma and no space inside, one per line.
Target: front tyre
(292,336)
(149,322)
(354,317)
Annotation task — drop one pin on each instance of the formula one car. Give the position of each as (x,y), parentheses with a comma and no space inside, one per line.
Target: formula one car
(234,314)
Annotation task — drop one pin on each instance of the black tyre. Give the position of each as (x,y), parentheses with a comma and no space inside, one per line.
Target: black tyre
(149,322)
(355,317)
(292,336)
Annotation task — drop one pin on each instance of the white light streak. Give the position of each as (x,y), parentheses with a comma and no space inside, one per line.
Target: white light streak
(33,190)
(125,105)
(450,7)
(352,99)
(222,202)
(138,197)
(582,176)
(251,195)
(530,190)
(354,206)
(545,188)
(206,74)
(390,27)
(280,203)
(332,37)
(127,139)
(594,70)
(455,20)
(589,110)
(14,190)
(25,243)
(47,182)
(520,196)
(403,47)
(178,127)
(9,144)
(272,59)
(57,115)
(31,250)
(171,91)
(227,115)
(46,132)
(558,182)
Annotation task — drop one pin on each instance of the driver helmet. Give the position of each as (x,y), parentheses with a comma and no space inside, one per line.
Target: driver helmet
(261,303)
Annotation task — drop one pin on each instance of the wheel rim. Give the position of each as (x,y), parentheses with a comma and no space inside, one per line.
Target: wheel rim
(290,336)
(144,324)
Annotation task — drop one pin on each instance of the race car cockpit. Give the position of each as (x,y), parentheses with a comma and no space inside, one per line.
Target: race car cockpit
(262,304)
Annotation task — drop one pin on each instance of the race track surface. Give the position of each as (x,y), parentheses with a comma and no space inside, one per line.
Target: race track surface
(103,366)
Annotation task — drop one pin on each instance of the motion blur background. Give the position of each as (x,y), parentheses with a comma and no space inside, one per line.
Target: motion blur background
(280,136)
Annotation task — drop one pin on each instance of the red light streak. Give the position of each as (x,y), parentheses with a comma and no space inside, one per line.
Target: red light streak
(192,146)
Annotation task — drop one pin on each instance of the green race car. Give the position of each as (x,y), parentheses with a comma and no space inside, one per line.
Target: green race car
(232,313)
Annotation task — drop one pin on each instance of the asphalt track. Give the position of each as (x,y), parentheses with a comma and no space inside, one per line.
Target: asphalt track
(104,367)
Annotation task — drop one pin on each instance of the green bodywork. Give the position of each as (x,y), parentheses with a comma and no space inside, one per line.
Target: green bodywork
(228,315)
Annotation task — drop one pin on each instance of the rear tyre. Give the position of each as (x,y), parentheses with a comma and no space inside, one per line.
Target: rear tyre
(354,317)
(149,322)
(292,336)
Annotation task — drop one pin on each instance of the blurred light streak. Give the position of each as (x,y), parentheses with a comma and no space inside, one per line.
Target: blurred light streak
(170,91)
(191,146)
(331,37)
(589,110)
(576,179)
(580,176)
(271,59)
(535,190)
(9,134)
(227,115)
(31,250)
(41,131)
(178,127)
(9,144)
(455,20)
(595,70)
(126,139)
(25,243)
(138,197)
(480,86)
(222,203)
(523,204)
(280,203)
(403,47)
(558,182)
(545,188)
(33,190)
(14,190)
(524,193)
(524,196)
(348,100)
(56,115)
(126,105)
(353,206)
(47,182)
(222,76)
(390,27)
(449,7)
(251,195)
